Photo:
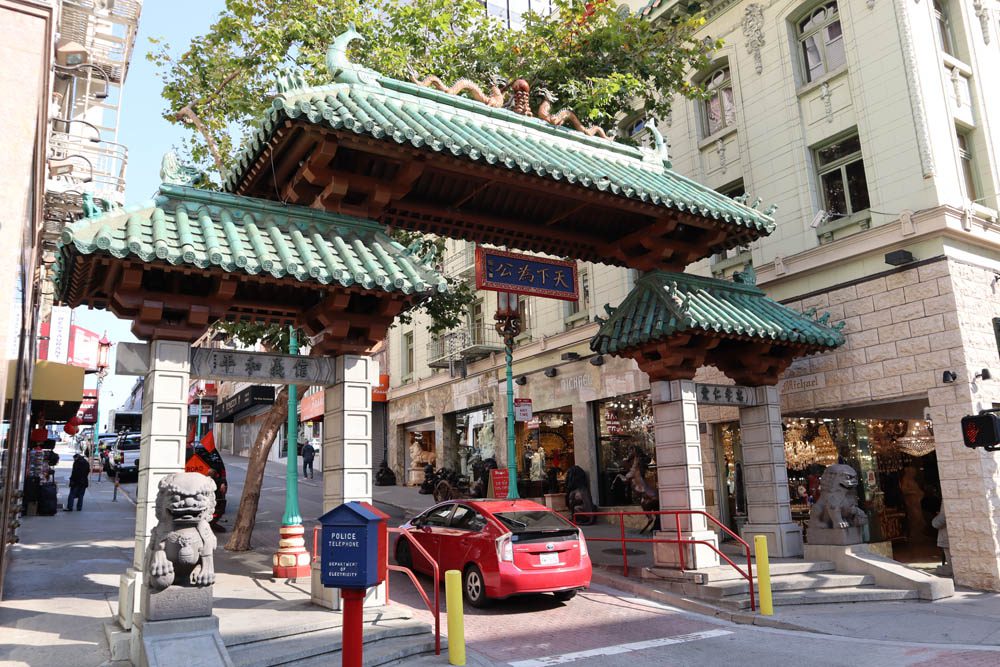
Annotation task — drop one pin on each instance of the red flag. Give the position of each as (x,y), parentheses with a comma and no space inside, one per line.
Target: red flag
(208,441)
(190,438)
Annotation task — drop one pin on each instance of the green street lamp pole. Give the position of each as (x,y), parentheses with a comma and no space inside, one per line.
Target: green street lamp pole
(292,516)
(508,326)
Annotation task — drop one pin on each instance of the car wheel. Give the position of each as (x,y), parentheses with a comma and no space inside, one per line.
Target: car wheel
(565,596)
(474,587)
(403,556)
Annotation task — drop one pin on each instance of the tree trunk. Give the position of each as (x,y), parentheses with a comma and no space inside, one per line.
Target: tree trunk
(246,516)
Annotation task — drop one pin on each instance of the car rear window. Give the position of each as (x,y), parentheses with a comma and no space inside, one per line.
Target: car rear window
(130,445)
(522,522)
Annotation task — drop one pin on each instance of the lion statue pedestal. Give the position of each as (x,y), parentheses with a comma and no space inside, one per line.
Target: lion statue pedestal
(836,518)
(176,625)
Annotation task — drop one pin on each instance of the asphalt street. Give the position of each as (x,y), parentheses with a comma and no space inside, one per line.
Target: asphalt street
(609,628)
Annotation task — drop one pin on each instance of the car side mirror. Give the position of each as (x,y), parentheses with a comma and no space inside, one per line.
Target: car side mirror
(417,522)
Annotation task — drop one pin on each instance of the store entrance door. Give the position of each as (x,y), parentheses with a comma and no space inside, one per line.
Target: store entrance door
(729,464)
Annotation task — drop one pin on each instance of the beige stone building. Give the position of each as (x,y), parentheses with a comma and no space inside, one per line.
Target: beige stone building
(870,125)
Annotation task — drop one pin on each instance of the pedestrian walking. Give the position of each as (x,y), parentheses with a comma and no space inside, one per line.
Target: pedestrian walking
(308,454)
(79,480)
(941,523)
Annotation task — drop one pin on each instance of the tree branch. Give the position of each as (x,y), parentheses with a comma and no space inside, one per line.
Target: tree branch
(187,115)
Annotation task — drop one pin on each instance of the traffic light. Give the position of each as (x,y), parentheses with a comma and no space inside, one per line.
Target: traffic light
(982,430)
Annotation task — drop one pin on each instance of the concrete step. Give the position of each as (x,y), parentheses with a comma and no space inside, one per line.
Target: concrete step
(824,596)
(790,582)
(384,652)
(295,647)
(727,573)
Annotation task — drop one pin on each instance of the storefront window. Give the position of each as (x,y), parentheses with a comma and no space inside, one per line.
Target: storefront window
(729,455)
(624,427)
(474,439)
(544,452)
(898,486)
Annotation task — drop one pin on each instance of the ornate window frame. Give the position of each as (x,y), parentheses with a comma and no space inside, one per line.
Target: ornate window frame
(717,82)
(813,29)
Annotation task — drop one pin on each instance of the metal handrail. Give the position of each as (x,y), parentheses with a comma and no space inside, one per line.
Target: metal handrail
(680,542)
(436,609)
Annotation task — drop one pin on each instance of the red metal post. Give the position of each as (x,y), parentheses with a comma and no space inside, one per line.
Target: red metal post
(621,524)
(354,599)
(680,541)
(753,606)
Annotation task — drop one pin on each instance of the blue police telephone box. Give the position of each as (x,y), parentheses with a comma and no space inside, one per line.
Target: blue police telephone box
(353,548)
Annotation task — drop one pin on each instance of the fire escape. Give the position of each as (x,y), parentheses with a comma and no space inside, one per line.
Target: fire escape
(85,162)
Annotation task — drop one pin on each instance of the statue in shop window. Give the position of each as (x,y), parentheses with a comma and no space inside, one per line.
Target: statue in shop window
(484,440)
(648,497)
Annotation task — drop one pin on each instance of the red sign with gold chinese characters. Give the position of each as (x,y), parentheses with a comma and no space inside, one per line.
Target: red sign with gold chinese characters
(503,271)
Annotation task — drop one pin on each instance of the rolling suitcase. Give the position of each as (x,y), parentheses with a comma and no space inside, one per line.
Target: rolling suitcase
(48,502)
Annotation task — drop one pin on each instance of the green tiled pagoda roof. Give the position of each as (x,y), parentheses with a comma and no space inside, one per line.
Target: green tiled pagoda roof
(364,102)
(663,304)
(186,226)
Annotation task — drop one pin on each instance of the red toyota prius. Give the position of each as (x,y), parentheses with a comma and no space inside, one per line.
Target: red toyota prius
(501,547)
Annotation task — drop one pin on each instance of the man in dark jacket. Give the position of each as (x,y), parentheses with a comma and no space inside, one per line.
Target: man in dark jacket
(308,454)
(78,482)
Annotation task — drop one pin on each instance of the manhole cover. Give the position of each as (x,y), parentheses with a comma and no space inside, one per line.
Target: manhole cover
(630,552)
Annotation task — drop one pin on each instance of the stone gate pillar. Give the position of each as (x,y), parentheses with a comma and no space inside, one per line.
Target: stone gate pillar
(347,454)
(765,477)
(680,478)
(164,418)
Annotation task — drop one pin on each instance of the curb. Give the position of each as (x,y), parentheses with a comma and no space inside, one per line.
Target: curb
(643,590)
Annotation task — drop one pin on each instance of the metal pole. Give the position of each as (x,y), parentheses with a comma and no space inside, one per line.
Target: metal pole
(511,453)
(97,426)
(291,516)
(197,437)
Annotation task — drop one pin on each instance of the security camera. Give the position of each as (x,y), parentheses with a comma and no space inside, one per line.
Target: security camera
(818,219)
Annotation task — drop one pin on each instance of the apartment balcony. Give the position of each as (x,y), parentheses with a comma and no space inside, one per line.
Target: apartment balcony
(462,263)
(468,344)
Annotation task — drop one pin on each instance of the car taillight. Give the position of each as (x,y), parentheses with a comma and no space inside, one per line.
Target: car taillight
(583,545)
(505,548)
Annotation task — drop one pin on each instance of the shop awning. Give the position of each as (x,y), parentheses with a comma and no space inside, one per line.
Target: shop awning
(58,388)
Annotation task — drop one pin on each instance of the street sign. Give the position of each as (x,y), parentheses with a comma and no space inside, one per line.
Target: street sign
(982,430)
(522,409)
(236,366)
(132,359)
(499,483)
(354,547)
(503,271)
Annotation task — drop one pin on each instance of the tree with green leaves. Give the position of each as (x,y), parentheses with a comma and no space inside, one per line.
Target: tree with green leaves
(595,58)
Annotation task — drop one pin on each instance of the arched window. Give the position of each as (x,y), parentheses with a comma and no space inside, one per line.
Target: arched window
(821,41)
(720,107)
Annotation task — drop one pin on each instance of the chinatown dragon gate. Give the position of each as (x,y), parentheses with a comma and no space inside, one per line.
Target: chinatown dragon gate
(299,237)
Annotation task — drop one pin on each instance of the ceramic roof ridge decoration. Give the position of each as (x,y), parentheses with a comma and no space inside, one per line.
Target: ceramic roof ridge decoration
(205,229)
(664,304)
(495,98)
(365,103)
(563,115)
(172,171)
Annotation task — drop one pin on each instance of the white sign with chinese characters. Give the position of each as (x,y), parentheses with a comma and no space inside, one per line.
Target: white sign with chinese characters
(261,368)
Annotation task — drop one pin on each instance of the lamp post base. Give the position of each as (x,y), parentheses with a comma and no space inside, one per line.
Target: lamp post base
(292,561)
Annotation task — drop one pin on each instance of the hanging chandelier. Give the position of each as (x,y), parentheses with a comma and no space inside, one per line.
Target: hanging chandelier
(801,453)
(918,440)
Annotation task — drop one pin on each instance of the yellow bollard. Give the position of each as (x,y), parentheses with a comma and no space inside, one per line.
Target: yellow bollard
(763,576)
(456,622)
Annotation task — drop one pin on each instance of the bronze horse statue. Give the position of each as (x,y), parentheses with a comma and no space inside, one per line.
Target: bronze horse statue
(649,498)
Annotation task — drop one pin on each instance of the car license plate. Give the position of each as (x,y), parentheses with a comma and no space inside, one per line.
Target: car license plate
(548,559)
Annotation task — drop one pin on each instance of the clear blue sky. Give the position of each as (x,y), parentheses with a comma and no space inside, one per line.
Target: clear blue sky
(147,136)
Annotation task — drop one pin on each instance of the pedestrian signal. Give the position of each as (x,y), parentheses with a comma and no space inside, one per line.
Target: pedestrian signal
(982,430)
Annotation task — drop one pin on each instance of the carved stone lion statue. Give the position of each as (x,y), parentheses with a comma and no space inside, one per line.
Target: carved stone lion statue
(419,457)
(182,543)
(838,503)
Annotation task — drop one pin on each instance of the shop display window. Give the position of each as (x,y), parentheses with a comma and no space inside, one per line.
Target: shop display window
(898,488)
(544,448)
(729,458)
(624,424)
(474,438)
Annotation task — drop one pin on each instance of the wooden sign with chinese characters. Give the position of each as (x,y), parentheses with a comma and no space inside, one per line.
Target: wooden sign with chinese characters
(503,271)
(259,367)
(715,394)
